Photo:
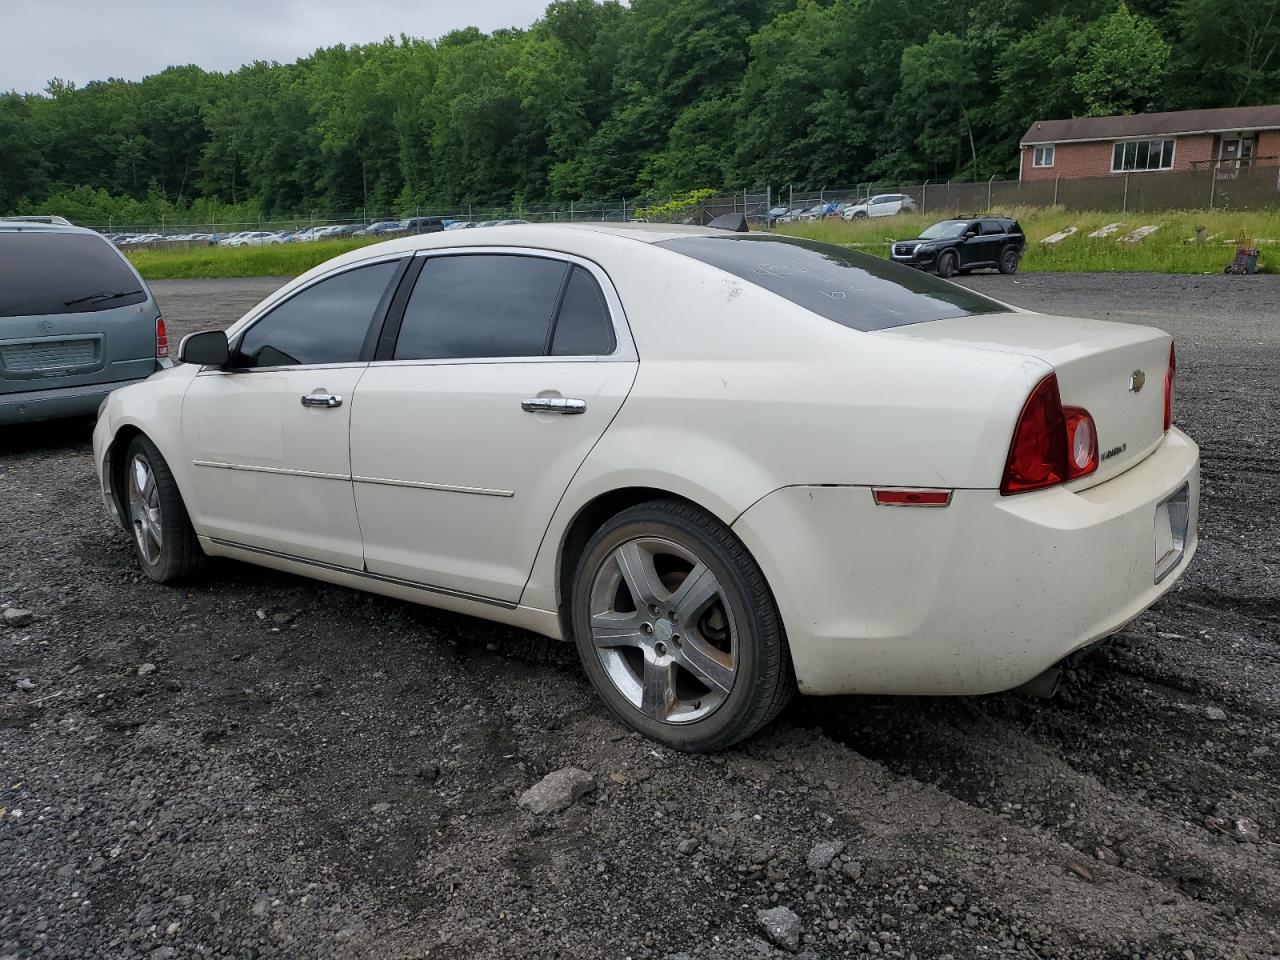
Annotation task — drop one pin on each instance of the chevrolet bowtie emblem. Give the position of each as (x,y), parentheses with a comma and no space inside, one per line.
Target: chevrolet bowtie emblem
(1136,380)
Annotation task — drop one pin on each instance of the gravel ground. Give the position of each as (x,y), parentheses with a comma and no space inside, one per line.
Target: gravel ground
(262,766)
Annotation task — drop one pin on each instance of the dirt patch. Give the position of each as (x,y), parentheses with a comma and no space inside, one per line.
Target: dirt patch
(311,772)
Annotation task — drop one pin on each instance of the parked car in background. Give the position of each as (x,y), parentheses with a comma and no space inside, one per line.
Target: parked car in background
(385,226)
(459,225)
(719,507)
(818,211)
(76,321)
(882,205)
(959,246)
(422,224)
(775,214)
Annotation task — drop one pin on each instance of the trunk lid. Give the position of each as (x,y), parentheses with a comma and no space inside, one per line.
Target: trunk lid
(1116,371)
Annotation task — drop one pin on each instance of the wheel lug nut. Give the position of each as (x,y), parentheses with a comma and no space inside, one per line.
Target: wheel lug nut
(646,628)
(675,638)
(654,610)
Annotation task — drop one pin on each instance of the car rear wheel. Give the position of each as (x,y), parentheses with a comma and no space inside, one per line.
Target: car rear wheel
(1009,260)
(947,264)
(677,629)
(163,539)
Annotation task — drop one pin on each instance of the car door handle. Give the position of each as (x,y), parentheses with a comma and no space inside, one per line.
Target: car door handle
(319,399)
(565,405)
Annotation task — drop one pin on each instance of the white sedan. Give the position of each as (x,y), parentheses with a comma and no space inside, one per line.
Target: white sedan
(725,465)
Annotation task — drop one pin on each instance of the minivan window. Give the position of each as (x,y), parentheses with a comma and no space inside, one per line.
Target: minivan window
(853,289)
(325,323)
(480,305)
(583,327)
(50,272)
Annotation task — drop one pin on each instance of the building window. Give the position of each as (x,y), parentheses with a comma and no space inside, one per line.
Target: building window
(1043,156)
(1141,155)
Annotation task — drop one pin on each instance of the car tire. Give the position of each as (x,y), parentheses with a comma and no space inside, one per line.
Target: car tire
(947,264)
(1009,260)
(695,664)
(860,215)
(163,539)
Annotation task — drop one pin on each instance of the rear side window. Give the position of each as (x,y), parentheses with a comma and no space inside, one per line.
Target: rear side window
(853,289)
(583,327)
(325,323)
(481,306)
(991,227)
(44,272)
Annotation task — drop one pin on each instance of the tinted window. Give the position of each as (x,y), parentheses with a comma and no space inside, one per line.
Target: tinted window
(853,289)
(480,305)
(583,327)
(50,272)
(325,323)
(992,226)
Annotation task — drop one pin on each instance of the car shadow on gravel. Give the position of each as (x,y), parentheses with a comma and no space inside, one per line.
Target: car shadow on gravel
(53,436)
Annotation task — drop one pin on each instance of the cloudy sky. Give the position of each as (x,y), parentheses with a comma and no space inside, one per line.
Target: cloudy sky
(83,40)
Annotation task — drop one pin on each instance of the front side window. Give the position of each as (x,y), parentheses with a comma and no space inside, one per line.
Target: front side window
(481,306)
(51,272)
(1141,155)
(325,323)
(1043,156)
(853,289)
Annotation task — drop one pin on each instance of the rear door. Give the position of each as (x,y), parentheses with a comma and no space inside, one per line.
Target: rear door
(505,370)
(72,312)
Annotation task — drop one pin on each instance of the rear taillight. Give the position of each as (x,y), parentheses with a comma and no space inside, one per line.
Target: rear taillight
(1082,443)
(1168,388)
(162,339)
(1051,445)
(1038,453)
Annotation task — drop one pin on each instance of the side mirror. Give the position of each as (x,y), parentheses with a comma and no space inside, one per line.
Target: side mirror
(207,349)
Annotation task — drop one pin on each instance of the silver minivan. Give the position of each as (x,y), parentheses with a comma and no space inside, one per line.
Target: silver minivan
(76,321)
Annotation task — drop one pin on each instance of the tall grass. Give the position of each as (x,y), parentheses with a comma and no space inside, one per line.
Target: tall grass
(1171,249)
(279,260)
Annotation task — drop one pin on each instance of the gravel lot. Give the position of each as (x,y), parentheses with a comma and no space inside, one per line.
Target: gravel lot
(262,766)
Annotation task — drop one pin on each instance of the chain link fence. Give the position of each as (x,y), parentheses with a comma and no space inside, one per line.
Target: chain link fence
(1212,187)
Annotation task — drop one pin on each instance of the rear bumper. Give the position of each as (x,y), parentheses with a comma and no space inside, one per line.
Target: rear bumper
(975,597)
(56,403)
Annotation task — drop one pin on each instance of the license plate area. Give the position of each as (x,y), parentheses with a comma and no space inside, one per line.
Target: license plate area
(50,357)
(1172,516)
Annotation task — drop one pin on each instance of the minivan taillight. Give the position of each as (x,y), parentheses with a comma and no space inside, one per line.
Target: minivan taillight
(1051,445)
(162,339)
(1168,387)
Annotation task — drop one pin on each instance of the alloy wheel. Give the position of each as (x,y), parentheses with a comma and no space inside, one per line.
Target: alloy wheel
(144,510)
(664,630)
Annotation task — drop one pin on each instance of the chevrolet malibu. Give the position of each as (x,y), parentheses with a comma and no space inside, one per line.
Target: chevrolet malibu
(725,465)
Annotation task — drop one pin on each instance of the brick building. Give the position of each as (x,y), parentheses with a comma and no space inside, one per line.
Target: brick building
(1227,139)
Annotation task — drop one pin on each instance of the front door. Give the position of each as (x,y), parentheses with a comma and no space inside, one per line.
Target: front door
(465,433)
(271,466)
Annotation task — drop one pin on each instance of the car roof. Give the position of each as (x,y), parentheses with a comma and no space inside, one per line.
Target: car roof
(42,225)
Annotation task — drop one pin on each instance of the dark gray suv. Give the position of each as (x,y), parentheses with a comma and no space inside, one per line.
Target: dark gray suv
(76,321)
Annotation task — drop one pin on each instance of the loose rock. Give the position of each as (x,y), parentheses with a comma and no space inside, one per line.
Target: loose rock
(823,852)
(782,926)
(557,791)
(14,617)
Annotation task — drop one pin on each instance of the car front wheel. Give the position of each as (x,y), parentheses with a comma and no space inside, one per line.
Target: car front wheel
(947,265)
(677,628)
(163,539)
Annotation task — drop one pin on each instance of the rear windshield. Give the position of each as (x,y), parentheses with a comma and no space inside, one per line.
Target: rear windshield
(44,272)
(853,289)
